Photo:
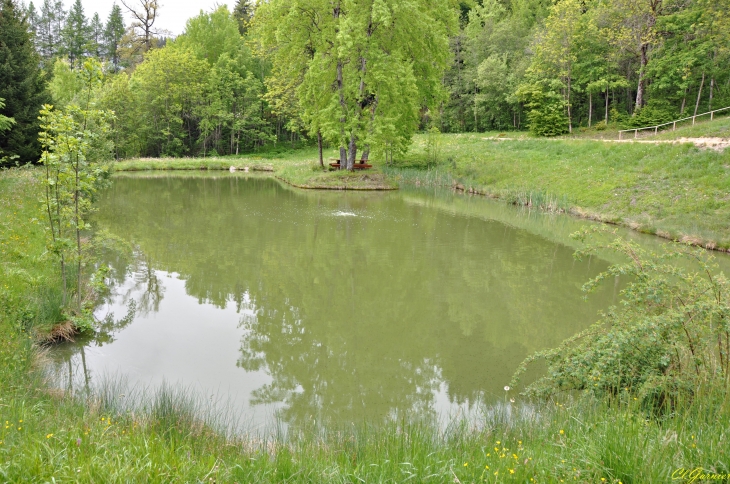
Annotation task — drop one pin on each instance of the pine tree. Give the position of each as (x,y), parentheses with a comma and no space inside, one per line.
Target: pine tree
(113,33)
(21,84)
(95,46)
(33,19)
(47,31)
(243,12)
(76,33)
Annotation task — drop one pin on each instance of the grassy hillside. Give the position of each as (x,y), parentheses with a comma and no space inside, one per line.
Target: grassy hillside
(675,191)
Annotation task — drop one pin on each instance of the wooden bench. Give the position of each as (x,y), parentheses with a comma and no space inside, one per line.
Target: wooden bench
(359,164)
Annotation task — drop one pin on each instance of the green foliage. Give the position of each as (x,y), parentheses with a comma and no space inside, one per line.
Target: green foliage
(386,60)
(243,13)
(22,85)
(5,122)
(629,54)
(652,114)
(76,33)
(546,115)
(113,33)
(66,84)
(75,152)
(669,337)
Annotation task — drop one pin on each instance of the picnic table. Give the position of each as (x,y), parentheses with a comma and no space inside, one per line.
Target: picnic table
(358,165)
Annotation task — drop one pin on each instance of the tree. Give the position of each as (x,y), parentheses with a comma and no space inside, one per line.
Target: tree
(22,84)
(170,86)
(113,33)
(367,68)
(556,50)
(74,152)
(145,16)
(95,46)
(243,13)
(50,25)
(210,35)
(33,20)
(76,34)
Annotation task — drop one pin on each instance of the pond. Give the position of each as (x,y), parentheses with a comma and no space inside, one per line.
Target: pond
(336,306)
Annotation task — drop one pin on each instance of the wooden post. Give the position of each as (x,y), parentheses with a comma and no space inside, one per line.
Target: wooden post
(636,133)
(656,129)
(693,120)
(674,126)
(712,115)
(620,135)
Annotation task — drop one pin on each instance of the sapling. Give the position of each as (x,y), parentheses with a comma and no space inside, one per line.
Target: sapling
(74,152)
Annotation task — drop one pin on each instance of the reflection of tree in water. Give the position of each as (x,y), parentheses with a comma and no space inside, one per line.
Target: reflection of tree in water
(142,297)
(339,375)
(148,285)
(354,317)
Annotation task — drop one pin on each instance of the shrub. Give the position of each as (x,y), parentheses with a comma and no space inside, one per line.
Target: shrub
(670,334)
(548,120)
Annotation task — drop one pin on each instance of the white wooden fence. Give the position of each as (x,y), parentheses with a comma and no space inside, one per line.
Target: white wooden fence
(673,123)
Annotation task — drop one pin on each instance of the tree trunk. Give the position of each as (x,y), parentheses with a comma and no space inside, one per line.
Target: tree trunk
(642,77)
(712,84)
(319,146)
(341,91)
(590,108)
(606,114)
(570,116)
(699,94)
(353,152)
(684,102)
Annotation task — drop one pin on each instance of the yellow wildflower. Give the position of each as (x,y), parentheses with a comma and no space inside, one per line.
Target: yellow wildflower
(49,436)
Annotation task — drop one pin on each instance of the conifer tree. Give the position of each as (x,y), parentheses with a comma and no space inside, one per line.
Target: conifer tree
(75,33)
(21,84)
(95,45)
(32,17)
(243,12)
(48,29)
(113,33)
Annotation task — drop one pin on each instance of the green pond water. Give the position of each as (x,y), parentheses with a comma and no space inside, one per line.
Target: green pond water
(336,306)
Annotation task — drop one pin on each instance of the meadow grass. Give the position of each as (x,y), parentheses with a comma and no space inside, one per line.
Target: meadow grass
(678,191)
(299,168)
(167,435)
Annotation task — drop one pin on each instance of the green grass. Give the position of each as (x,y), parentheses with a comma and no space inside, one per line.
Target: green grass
(299,168)
(675,191)
(47,435)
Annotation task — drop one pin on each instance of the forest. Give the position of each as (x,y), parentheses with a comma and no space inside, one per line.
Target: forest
(361,76)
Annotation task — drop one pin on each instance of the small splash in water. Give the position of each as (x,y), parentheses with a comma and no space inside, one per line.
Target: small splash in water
(344,214)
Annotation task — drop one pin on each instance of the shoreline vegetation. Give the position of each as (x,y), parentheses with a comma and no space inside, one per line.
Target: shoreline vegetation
(679,192)
(50,433)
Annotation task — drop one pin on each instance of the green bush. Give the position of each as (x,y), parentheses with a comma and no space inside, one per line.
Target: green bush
(652,114)
(549,119)
(669,336)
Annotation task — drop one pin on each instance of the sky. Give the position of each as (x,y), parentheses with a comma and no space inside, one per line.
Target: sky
(172,14)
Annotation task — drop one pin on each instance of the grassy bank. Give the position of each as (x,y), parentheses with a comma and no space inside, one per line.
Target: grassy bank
(50,435)
(299,168)
(675,191)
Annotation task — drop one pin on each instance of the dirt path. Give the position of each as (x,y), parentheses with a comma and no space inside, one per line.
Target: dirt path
(717,144)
